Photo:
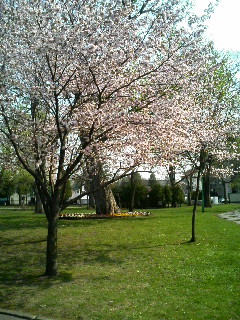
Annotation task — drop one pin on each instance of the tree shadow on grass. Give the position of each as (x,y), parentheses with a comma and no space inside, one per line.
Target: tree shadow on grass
(142,247)
(103,255)
(100,257)
(17,275)
(17,242)
(17,222)
(27,284)
(21,272)
(23,264)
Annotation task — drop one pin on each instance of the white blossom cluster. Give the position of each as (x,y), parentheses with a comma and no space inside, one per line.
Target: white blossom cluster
(103,80)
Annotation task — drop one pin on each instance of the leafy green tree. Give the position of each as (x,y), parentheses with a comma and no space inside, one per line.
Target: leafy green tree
(167,195)
(6,184)
(152,180)
(236,185)
(141,196)
(138,192)
(131,192)
(24,184)
(177,194)
(122,193)
(156,195)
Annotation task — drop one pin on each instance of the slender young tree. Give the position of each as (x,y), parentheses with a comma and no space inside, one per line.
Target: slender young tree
(200,169)
(216,127)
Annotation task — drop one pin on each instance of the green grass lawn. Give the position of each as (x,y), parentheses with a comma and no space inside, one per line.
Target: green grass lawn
(123,268)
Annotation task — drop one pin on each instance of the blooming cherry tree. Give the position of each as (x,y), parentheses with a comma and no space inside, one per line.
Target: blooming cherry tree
(95,80)
(214,129)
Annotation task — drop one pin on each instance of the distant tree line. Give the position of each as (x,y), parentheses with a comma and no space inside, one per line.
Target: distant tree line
(131,192)
(20,182)
(23,184)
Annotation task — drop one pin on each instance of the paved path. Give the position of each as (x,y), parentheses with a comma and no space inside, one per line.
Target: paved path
(231,216)
(12,315)
(6,317)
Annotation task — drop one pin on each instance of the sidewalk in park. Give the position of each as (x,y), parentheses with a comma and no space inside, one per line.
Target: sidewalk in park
(13,315)
(231,216)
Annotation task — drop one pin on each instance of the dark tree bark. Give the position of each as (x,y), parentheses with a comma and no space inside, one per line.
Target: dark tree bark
(20,200)
(51,254)
(105,202)
(172,179)
(133,192)
(224,191)
(207,196)
(38,203)
(207,191)
(193,238)
(91,201)
(200,168)
(189,189)
(52,205)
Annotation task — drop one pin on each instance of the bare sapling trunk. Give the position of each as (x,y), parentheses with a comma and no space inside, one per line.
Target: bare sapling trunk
(193,239)
(207,191)
(189,190)
(200,170)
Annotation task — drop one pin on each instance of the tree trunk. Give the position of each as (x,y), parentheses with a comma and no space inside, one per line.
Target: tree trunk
(105,202)
(133,191)
(189,190)
(224,191)
(51,254)
(38,203)
(132,200)
(193,239)
(207,196)
(91,201)
(172,182)
(200,170)
(20,200)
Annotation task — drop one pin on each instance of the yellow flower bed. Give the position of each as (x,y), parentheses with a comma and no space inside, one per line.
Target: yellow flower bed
(102,216)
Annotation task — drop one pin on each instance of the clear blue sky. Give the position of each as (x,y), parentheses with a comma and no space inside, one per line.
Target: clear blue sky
(224,26)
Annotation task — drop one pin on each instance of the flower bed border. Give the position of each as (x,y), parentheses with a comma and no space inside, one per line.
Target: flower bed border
(79,216)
